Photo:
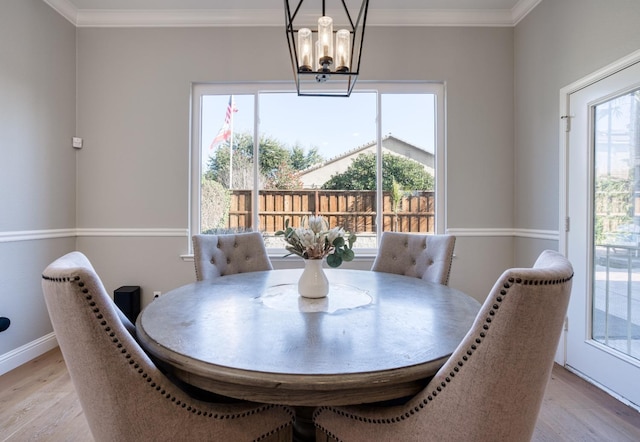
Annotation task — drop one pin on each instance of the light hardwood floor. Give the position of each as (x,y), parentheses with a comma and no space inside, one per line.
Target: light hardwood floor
(38,403)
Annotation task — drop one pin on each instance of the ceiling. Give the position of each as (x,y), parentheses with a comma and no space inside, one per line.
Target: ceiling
(140,13)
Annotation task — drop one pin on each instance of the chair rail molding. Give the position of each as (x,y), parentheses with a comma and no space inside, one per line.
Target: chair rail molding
(552,235)
(30,235)
(133,232)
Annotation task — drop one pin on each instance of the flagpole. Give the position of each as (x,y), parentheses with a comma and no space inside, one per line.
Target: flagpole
(231,108)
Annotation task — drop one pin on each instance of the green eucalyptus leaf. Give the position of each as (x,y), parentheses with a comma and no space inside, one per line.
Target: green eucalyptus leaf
(348,255)
(334,260)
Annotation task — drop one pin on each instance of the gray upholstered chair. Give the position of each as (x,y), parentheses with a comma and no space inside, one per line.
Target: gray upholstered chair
(123,394)
(492,386)
(219,255)
(423,256)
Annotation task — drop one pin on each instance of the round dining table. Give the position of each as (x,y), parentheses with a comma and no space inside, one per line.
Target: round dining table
(375,337)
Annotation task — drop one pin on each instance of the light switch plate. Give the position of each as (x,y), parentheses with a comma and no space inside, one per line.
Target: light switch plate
(77,142)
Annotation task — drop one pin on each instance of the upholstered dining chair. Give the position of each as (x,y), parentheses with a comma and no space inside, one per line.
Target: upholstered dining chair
(219,255)
(124,396)
(492,386)
(423,256)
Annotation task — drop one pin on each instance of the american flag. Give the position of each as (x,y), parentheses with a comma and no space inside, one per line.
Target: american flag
(225,131)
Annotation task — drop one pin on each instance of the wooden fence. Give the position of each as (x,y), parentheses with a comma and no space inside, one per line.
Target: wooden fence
(352,210)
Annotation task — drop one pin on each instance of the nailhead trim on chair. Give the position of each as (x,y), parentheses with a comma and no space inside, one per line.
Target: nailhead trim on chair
(431,397)
(446,282)
(159,388)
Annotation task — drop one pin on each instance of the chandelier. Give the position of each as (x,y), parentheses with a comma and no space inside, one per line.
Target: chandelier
(326,62)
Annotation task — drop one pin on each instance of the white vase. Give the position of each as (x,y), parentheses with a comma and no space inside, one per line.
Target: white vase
(313,282)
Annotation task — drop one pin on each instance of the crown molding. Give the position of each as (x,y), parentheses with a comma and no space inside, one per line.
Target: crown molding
(272,17)
(522,9)
(65,8)
(180,18)
(439,17)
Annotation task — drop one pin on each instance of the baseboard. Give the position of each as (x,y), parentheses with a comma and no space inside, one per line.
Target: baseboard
(611,393)
(27,352)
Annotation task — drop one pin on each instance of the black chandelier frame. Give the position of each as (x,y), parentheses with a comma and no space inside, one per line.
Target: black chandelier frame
(325,82)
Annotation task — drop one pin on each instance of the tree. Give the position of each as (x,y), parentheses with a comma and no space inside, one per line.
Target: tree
(272,154)
(361,174)
(214,206)
(278,166)
(613,199)
(218,164)
(396,195)
(285,177)
(300,160)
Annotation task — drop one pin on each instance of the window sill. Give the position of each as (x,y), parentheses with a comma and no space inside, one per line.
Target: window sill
(366,255)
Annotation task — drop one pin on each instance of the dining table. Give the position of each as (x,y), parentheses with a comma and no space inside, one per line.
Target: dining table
(375,337)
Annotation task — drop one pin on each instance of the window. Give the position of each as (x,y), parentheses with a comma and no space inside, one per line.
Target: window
(342,158)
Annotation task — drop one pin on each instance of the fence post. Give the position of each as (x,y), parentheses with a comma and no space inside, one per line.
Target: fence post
(316,203)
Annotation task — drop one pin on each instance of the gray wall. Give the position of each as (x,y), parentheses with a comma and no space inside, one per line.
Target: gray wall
(37,165)
(559,42)
(130,203)
(133,112)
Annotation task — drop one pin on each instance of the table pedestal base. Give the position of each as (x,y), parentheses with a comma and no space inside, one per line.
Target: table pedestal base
(303,429)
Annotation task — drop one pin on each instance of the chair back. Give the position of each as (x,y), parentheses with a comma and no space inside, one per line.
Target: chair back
(492,386)
(422,256)
(220,255)
(123,394)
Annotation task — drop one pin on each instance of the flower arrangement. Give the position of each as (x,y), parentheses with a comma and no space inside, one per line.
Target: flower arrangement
(314,240)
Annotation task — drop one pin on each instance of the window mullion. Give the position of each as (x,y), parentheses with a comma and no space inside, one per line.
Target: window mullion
(379,189)
(255,198)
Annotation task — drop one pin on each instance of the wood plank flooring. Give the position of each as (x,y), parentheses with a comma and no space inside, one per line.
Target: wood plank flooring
(38,403)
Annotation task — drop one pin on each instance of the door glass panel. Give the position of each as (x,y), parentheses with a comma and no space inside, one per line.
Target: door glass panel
(616,284)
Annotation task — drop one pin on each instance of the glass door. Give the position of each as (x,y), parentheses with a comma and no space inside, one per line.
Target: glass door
(615,309)
(603,242)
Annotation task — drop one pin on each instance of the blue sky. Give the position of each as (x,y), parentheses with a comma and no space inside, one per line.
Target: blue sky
(333,125)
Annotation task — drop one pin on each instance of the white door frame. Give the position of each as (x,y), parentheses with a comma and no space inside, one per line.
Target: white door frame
(565,120)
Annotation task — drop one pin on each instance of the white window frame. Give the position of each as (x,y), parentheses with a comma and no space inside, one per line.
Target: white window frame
(201,89)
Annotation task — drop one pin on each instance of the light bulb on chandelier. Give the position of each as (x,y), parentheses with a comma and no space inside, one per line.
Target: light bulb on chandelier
(333,59)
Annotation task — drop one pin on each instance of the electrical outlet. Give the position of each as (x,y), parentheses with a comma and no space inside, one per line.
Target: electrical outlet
(156,294)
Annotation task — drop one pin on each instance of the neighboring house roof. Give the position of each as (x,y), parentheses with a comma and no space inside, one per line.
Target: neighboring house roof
(315,176)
